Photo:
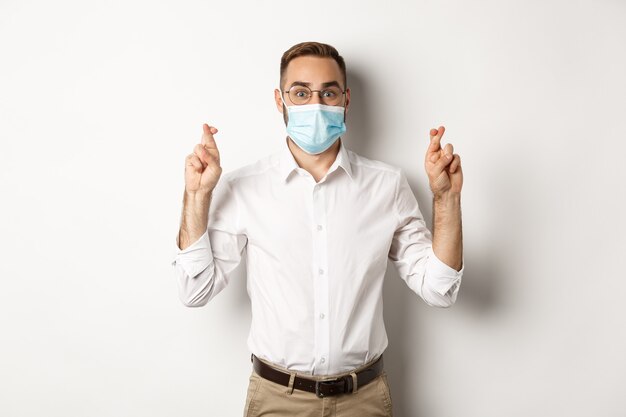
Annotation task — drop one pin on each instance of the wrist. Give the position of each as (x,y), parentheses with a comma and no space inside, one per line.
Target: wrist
(447,197)
(200,195)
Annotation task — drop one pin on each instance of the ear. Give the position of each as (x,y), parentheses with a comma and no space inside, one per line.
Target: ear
(279,102)
(345,113)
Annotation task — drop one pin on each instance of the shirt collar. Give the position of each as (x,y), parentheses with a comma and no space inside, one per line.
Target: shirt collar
(288,162)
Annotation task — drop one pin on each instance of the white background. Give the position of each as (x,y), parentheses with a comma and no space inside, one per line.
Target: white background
(100,102)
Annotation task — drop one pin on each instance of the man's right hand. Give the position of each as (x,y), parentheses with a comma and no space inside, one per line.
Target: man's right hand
(202,167)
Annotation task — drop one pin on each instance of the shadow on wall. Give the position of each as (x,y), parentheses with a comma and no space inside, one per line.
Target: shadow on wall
(478,293)
(360,118)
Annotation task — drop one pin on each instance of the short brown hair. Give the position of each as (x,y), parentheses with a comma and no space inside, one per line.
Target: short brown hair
(312,48)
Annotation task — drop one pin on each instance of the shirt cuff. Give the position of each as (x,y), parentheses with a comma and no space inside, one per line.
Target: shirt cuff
(443,275)
(196,257)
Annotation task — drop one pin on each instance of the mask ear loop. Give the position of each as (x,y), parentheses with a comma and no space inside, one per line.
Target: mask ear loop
(282,99)
(285,108)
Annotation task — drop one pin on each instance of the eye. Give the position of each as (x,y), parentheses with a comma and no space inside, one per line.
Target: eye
(300,92)
(328,93)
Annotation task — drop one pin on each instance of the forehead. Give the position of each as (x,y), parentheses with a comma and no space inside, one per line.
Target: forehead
(313,69)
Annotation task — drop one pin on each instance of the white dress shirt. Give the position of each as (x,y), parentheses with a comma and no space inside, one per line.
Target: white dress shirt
(316,256)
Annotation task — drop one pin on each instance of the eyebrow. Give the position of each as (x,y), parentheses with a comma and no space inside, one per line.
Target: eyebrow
(324,85)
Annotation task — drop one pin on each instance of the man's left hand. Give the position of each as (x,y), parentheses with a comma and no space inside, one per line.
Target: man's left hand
(443,167)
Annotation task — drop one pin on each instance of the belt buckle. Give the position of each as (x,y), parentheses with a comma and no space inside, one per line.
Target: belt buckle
(347,387)
(317,386)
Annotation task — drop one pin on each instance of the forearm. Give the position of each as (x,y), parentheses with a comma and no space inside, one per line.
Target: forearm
(447,234)
(194,218)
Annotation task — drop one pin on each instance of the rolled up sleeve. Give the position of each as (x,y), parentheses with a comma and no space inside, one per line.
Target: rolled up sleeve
(196,257)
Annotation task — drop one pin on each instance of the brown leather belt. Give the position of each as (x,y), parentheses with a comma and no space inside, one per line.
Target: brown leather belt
(323,388)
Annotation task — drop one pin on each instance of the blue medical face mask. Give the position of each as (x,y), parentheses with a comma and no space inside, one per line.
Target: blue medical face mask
(315,127)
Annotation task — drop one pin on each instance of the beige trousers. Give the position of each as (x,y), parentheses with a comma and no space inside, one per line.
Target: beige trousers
(269,399)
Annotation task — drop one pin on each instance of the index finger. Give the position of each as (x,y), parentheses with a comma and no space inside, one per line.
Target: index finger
(435,139)
(207,136)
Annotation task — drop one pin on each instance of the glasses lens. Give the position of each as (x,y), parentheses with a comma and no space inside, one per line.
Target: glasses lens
(299,94)
(331,96)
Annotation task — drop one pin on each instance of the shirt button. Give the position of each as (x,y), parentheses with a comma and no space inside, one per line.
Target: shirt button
(321,315)
(321,271)
(323,359)
(319,227)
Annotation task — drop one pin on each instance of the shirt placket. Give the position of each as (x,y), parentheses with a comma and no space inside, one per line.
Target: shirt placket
(321,283)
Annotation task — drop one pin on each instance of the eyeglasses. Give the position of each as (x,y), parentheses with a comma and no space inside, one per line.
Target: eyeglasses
(301,94)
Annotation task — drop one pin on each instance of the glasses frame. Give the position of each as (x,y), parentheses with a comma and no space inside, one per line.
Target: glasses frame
(319,93)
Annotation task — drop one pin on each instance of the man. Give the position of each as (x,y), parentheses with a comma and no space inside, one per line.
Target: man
(317,223)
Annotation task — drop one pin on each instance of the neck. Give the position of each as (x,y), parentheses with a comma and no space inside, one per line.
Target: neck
(316,165)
